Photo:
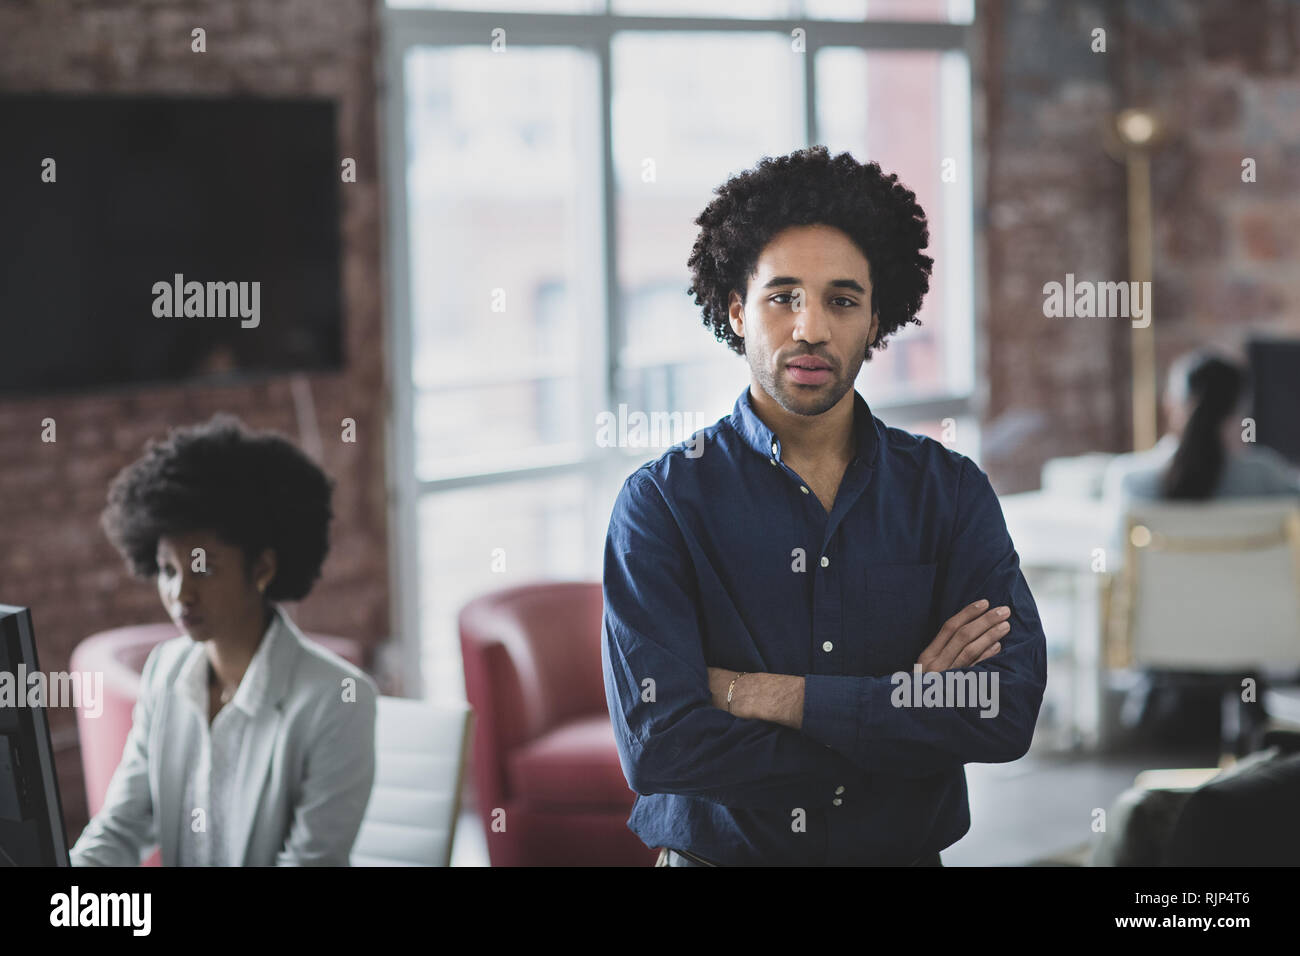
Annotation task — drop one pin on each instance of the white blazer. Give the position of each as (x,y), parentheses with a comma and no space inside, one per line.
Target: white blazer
(303,779)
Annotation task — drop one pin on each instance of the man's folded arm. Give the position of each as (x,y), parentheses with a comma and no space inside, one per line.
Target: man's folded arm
(671,739)
(858,716)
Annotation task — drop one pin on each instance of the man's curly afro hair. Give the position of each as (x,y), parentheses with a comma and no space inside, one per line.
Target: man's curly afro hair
(808,187)
(253,490)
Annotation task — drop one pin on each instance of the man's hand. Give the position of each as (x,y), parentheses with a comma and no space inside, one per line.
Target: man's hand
(968,637)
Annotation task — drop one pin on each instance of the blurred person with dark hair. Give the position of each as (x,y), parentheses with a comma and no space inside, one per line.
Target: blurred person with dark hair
(1201,457)
(249,744)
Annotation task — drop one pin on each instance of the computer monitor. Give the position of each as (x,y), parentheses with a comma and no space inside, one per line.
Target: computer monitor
(31,814)
(1275,379)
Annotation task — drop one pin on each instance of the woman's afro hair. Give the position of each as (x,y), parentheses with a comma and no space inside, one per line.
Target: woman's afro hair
(809,187)
(252,490)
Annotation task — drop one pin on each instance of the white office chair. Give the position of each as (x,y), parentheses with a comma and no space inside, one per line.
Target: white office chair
(420,750)
(1211,587)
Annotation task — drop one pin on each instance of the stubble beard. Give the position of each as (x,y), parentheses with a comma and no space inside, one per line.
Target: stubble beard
(801,399)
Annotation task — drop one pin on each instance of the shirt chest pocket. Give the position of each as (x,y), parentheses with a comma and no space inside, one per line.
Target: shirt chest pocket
(898,625)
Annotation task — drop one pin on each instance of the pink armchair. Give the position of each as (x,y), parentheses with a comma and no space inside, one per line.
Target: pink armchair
(544,747)
(119,655)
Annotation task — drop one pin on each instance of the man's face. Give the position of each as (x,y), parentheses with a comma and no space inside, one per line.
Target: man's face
(807,318)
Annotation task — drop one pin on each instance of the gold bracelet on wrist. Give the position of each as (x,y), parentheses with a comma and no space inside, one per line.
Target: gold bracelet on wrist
(732,689)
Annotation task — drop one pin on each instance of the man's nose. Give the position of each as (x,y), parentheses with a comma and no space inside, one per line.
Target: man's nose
(812,324)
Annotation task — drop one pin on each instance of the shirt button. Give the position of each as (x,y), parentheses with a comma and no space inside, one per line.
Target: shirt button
(773,448)
(827,646)
(826,562)
(839,790)
(803,489)
(837,801)
(772,460)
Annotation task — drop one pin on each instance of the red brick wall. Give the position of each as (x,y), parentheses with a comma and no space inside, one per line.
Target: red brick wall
(53,556)
(1225,74)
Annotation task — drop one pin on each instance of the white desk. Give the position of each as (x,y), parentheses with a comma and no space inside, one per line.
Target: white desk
(1056,537)
(1058,532)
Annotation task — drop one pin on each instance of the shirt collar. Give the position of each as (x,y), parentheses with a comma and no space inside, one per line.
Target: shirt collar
(251,694)
(763,440)
(252,689)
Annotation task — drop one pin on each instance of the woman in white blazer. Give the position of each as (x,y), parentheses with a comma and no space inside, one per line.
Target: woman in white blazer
(249,745)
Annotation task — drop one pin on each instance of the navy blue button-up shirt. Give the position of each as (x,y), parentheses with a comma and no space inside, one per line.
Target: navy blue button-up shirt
(725,558)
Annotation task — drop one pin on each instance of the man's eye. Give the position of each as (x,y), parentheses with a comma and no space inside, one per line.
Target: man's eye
(848,303)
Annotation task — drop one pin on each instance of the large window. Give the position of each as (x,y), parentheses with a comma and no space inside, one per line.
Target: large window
(546,162)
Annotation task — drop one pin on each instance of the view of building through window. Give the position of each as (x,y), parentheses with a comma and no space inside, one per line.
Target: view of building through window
(514,353)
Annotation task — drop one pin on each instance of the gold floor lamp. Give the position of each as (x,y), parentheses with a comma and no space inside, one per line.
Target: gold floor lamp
(1132,136)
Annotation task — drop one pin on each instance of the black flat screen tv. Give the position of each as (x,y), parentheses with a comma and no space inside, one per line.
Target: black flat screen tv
(151,240)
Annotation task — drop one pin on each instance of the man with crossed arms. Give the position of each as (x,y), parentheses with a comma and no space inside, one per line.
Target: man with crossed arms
(759,595)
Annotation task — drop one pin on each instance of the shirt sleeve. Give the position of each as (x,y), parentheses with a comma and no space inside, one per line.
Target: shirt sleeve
(671,739)
(124,830)
(857,717)
(340,773)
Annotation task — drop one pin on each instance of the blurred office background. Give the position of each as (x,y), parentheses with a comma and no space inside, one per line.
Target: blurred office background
(512,263)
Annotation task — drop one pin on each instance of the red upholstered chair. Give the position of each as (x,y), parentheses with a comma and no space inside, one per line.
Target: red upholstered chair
(544,747)
(119,655)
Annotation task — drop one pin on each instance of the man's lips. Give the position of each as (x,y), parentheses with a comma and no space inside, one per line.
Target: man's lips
(809,371)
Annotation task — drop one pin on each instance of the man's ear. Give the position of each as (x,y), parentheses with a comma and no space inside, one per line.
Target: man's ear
(874,332)
(736,313)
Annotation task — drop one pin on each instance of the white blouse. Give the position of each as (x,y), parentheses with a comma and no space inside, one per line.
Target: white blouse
(211,768)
